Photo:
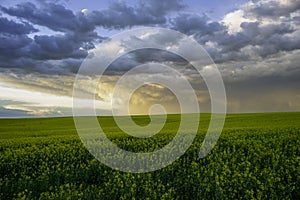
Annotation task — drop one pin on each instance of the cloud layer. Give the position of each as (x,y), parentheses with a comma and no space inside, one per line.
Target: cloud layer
(43,44)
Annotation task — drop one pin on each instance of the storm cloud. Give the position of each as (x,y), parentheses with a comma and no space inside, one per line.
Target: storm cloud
(258,43)
(273,8)
(75,30)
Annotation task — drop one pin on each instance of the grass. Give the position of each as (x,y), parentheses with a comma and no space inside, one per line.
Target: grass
(257,156)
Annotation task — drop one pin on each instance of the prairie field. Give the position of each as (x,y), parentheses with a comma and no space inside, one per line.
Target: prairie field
(257,157)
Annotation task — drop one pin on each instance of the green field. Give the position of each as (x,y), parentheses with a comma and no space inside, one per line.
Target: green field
(257,156)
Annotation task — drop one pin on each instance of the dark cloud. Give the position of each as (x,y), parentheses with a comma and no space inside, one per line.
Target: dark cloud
(41,54)
(20,51)
(12,42)
(120,15)
(57,18)
(264,37)
(13,38)
(13,113)
(296,20)
(143,56)
(268,39)
(263,54)
(76,30)
(273,8)
(48,67)
(53,16)
(161,8)
(11,27)
(117,15)
(56,47)
(254,41)
(195,24)
(264,94)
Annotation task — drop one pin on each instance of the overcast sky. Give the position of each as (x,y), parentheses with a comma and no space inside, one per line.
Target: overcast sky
(255,44)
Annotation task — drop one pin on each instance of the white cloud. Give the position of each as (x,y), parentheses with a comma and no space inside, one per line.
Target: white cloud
(38,103)
(85,11)
(234,20)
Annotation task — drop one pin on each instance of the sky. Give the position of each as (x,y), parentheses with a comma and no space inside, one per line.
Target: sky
(255,45)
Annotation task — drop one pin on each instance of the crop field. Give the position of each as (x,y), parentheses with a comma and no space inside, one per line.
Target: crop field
(256,157)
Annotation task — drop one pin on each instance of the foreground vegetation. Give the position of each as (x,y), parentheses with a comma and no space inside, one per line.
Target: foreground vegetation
(257,156)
